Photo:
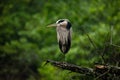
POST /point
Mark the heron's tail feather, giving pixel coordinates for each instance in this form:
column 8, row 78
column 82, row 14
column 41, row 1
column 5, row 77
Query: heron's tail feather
column 65, row 47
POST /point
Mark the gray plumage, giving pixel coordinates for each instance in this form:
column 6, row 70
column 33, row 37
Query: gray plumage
column 64, row 31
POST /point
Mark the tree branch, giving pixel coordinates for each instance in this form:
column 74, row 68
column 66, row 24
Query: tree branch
column 71, row 67
column 97, row 70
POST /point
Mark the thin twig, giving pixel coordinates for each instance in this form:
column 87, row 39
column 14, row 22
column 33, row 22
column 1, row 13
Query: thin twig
column 104, row 47
column 102, row 55
column 93, row 44
column 101, row 75
column 91, row 41
column 115, row 45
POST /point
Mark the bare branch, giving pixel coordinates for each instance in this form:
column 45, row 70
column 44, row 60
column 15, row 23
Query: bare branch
column 71, row 67
column 96, row 70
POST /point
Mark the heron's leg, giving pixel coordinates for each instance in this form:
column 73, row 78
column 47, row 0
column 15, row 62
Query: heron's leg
column 64, row 57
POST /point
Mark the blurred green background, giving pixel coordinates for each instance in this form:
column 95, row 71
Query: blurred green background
column 26, row 43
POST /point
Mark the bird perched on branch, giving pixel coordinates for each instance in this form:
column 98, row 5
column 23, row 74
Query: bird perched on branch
column 64, row 32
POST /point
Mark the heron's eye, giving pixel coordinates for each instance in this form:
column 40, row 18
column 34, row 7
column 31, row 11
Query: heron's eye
column 60, row 21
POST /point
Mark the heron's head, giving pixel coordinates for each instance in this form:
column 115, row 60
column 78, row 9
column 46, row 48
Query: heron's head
column 65, row 23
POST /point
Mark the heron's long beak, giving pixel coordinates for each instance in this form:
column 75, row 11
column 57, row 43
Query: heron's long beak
column 52, row 25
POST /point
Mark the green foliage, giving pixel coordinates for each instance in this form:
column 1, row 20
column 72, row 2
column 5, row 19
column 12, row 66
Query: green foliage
column 26, row 42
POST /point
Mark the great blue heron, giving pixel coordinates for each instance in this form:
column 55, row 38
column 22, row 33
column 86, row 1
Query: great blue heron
column 64, row 32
